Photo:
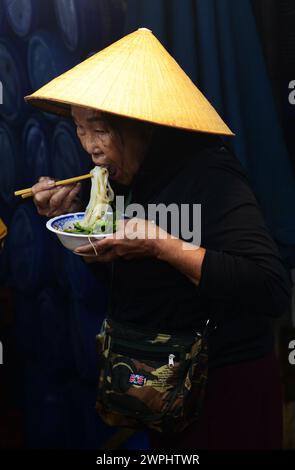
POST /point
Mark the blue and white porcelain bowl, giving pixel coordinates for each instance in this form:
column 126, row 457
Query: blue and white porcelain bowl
column 71, row 241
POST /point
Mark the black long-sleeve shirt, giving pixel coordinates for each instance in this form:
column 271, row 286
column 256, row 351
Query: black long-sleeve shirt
column 243, row 281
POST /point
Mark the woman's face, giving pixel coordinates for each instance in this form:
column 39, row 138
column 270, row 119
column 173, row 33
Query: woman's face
column 121, row 148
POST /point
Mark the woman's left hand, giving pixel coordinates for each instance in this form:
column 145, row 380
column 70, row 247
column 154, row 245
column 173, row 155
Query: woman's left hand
column 134, row 238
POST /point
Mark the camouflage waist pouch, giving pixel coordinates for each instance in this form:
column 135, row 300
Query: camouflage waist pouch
column 150, row 380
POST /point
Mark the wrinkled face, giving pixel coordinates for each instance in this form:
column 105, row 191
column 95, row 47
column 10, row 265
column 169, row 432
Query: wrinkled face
column 120, row 148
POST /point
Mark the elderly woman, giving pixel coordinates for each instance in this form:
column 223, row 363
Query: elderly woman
column 235, row 277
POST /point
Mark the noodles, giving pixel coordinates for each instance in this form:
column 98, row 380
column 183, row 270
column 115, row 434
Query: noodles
column 100, row 196
column 95, row 219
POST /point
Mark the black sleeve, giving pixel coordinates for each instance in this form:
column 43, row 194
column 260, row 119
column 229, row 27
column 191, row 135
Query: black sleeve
column 242, row 262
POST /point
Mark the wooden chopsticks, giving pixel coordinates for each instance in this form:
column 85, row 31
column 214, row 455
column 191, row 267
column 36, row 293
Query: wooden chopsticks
column 24, row 193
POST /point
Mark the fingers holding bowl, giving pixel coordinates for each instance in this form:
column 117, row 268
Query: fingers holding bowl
column 94, row 246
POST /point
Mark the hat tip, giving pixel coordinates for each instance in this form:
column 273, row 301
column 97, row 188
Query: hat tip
column 145, row 29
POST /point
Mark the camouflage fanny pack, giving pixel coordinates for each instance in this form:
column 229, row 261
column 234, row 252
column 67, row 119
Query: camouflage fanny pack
column 148, row 380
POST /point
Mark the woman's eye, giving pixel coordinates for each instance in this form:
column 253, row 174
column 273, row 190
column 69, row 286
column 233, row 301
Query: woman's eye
column 99, row 131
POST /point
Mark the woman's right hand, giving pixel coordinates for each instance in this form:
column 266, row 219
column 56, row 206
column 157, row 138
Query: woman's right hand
column 52, row 201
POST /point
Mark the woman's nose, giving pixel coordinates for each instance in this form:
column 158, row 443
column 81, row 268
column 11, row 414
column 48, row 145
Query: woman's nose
column 91, row 147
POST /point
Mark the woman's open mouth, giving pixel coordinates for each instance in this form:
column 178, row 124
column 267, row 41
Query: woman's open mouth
column 111, row 169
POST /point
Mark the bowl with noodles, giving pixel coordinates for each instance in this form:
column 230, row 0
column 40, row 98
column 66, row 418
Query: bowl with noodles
column 70, row 233
column 97, row 222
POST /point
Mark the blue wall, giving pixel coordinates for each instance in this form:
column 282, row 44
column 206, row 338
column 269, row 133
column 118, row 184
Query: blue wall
column 58, row 304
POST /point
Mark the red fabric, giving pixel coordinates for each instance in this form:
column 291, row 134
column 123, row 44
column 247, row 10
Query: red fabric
column 242, row 410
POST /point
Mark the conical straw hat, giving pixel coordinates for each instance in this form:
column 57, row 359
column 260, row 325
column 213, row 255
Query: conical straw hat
column 134, row 77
